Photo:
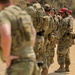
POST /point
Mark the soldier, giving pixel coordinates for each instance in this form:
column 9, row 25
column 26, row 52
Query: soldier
column 47, row 9
column 17, row 40
column 39, row 21
column 48, row 33
column 37, row 13
column 53, row 34
column 65, row 41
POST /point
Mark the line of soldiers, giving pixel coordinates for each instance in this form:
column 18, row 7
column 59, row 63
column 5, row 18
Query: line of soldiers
column 52, row 28
column 46, row 27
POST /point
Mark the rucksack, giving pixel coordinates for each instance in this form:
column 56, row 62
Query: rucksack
column 21, row 26
column 37, row 13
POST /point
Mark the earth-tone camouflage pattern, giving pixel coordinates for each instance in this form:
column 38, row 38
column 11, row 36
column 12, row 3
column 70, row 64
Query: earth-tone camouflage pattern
column 48, row 25
column 40, row 22
column 64, row 58
column 23, row 67
column 22, row 36
column 65, row 40
column 52, row 40
column 68, row 24
column 21, row 2
column 50, row 49
column 59, row 18
column 49, row 37
column 37, row 12
column 56, row 22
column 39, row 50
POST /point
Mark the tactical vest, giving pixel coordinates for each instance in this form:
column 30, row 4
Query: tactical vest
column 21, row 29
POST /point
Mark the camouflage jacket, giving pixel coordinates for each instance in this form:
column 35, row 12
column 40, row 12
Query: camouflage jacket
column 66, row 27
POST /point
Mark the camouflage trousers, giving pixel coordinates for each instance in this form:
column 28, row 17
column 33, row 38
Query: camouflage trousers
column 50, row 56
column 23, row 67
column 40, row 50
column 63, row 57
column 63, row 50
column 50, row 51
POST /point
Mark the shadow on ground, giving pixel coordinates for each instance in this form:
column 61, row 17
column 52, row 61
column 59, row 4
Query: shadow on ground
column 64, row 73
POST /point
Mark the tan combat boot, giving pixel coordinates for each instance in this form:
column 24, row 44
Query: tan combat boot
column 61, row 69
column 67, row 68
column 44, row 71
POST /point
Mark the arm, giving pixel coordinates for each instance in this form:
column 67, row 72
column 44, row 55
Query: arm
column 71, row 24
column 6, row 39
column 5, row 32
column 34, row 34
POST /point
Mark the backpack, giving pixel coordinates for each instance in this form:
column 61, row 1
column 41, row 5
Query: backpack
column 37, row 13
column 21, row 27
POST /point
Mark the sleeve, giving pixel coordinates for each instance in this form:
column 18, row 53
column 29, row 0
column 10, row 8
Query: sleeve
column 70, row 25
column 4, row 20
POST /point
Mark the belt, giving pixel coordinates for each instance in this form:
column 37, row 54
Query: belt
column 19, row 60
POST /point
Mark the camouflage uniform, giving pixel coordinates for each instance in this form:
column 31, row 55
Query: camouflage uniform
column 21, row 41
column 41, row 25
column 48, row 30
column 52, row 39
column 65, row 41
column 48, row 39
column 59, row 18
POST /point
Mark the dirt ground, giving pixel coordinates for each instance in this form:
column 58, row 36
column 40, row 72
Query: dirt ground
column 54, row 66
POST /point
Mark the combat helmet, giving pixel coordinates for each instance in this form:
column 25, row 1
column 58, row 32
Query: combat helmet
column 47, row 7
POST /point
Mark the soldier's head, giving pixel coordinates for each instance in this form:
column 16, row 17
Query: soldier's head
column 47, row 8
column 4, row 3
column 64, row 12
column 52, row 11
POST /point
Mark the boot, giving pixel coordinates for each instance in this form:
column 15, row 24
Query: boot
column 44, row 71
column 61, row 69
column 67, row 68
